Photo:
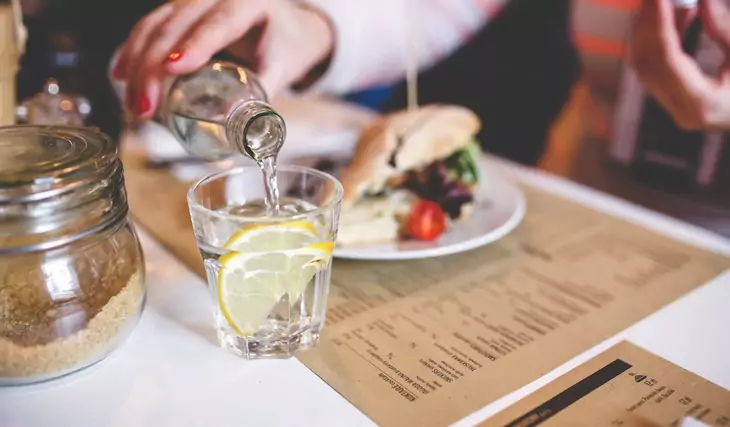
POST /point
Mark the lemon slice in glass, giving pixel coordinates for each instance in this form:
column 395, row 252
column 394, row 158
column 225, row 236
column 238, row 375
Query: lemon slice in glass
column 273, row 237
column 251, row 284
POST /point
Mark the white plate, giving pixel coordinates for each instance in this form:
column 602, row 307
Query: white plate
column 499, row 209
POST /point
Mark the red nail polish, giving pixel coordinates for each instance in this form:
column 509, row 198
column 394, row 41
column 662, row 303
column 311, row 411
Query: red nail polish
column 118, row 72
column 143, row 104
column 175, row 56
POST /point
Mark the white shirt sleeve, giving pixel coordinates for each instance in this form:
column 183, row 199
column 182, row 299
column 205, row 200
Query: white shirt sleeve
column 371, row 37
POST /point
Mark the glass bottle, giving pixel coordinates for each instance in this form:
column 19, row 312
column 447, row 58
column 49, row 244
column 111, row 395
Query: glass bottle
column 220, row 110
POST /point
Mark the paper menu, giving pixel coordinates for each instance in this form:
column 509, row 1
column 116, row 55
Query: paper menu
column 624, row 386
column 428, row 342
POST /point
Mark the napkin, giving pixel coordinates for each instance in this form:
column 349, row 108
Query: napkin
column 692, row 422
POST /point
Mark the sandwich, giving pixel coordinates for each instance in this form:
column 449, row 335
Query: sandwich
column 413, row 174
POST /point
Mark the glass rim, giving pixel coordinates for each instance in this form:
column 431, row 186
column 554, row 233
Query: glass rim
column 333, row 200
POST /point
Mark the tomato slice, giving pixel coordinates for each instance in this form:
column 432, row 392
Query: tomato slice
column 426, row 221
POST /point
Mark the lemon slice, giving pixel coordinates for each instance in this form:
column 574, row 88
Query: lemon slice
column 250, row 285
column 273, row 237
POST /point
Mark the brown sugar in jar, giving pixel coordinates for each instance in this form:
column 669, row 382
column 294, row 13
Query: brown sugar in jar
column 71, row 267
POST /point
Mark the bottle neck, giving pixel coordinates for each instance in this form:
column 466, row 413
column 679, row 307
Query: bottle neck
column 255, row 129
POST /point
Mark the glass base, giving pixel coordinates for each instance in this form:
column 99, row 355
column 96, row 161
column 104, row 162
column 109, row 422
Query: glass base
column 255, row 347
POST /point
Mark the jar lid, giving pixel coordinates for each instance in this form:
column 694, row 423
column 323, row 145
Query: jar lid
column 38, row 162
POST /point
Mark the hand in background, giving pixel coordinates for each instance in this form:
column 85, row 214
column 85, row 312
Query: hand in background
column 282, row 40
column 694, row 99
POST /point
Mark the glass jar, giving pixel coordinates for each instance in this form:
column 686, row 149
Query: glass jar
column 54, row 107
column 71, row 266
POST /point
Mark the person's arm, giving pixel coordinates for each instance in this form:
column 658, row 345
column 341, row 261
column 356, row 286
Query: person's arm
column 364, row 46
column 371, row 39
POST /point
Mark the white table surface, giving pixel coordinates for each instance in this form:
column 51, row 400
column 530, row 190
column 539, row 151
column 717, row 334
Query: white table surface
column 170, row 373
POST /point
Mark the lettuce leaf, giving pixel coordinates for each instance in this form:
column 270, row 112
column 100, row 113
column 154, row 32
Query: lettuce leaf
column 464, row 164
column 435, row 184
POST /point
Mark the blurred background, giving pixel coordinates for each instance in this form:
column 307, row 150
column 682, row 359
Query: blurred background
column 554, row 71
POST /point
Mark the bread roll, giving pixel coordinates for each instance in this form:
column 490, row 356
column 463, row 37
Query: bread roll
column 405, row 141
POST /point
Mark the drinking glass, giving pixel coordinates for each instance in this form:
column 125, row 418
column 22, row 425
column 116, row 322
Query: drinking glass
column 269, row 270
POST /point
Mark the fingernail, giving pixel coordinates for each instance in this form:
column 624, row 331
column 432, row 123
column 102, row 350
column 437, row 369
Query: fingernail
column 175, row 56
column 118, row 71
column 143, row 105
